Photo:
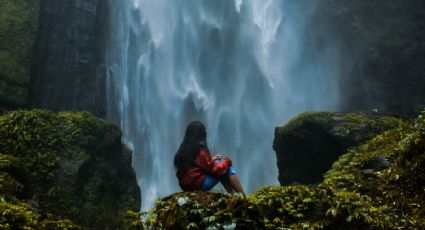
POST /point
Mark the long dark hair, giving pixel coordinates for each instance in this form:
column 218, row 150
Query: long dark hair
column 194, row 138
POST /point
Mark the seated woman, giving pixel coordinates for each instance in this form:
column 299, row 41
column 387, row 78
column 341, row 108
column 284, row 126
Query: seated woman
column 197, row 170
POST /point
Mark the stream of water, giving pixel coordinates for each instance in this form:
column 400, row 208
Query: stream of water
column 235, row 65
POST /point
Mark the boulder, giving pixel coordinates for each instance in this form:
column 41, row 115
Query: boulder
column 307, row 145
column 71, row 165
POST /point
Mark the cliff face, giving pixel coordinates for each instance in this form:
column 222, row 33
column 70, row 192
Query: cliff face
column 18, row 27
column 68, row 71
column 379, row 47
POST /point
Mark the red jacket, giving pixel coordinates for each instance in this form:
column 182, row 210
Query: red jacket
column 194, row 177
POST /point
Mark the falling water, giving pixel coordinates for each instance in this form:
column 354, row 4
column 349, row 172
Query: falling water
column 235, row 65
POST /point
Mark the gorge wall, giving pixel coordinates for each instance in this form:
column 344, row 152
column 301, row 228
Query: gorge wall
column 380, row 46
column 18, row 27
column 67, row 71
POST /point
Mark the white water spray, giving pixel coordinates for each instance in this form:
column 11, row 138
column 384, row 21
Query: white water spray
column 229, row 64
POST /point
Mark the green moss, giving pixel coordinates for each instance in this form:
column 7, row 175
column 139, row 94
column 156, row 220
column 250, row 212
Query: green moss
column 198, row 210
column 59, row 224
column 350, row 122
column 306, row 115
column 8, row 184
column 19, row 215
column 18, row 27
column 316, row 207
column 399, row 186
column 273, row 207
column 73, row 159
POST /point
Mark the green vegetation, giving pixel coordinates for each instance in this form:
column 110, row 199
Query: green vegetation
column 390, row 169
column 67, row 164
column 350, row 123
column 18, row 27
column 19, row 215
column 378, row 185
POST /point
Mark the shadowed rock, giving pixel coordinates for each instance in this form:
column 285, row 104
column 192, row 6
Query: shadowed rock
column 307, row 146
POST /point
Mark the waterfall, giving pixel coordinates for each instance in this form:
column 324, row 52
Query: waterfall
column 237, row 66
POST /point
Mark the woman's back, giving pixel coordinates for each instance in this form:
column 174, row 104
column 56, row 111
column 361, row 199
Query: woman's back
column 203, row 165
column 196, row 169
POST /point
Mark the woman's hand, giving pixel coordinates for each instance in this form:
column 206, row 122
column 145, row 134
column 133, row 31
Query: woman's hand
column 216, row 157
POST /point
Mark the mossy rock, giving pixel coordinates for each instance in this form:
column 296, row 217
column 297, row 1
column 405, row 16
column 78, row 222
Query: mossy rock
column 272, row 207
column 13, row 176
column 72, row 165
column 390, row 169
column 307, row 145
column 198, row 210
column 19, row 215
column 18, row 28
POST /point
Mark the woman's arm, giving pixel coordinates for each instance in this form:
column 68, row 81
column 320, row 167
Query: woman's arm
column 216, row 157
column 207, row 163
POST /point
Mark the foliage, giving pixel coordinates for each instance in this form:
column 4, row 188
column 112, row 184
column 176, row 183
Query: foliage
column 273, row 207
column 198, row 210
column 316, row 207
column 19, row 215
column 10, row 169
column 399, row 186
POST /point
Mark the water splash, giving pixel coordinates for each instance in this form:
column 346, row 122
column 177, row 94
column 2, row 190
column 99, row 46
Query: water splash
column 238, row 4
column 233, row 65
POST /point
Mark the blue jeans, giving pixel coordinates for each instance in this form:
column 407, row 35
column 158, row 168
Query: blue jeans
column 211, row 180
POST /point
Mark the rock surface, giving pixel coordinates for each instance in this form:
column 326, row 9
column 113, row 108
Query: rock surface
column 68, row 70
column 18, row 27
column 69, row 165
column 307, row 146
column 379, row 48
